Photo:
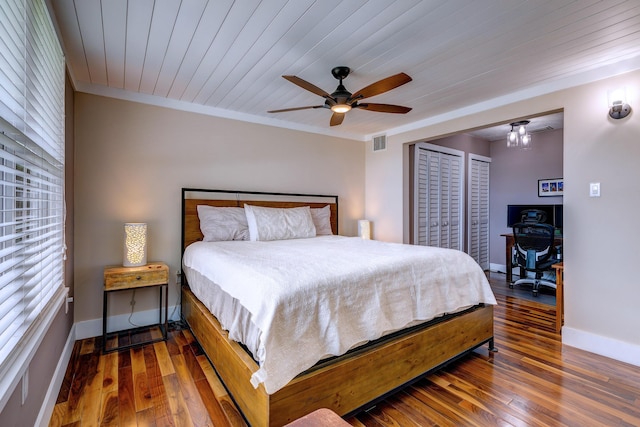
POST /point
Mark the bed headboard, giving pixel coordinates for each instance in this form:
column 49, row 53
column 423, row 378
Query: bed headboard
column 192, row 197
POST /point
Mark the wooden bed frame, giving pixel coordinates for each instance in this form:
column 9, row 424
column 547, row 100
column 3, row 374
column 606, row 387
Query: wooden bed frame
column 347, row 383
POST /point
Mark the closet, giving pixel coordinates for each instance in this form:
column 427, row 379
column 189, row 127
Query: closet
column 438, row 196
column 478, row 210
column 439, row 193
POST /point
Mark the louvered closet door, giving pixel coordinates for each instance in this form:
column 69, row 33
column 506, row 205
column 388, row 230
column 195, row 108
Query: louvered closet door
column 433, row 200
column 478, row 218
column 437, row 198
column 426, row 182
column 451, row 171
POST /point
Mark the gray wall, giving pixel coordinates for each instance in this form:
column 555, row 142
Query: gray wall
column 41, row 372
column 465, row 142
column 514, row 180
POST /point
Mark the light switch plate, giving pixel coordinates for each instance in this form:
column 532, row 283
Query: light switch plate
column 594, row 189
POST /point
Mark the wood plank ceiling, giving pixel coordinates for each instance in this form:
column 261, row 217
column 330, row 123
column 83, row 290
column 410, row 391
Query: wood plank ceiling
column 226, row 58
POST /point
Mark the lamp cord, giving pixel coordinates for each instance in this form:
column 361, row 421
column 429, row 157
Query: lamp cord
column 133, row 303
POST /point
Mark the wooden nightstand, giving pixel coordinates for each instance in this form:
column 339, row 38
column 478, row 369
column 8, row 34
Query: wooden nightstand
column 130, row 278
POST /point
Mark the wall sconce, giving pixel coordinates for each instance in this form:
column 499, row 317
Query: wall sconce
column 364, row 229
column 618, row 103
column 135, row 244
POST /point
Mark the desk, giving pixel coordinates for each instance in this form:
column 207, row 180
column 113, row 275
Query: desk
column 557, row 241
column 559, row 295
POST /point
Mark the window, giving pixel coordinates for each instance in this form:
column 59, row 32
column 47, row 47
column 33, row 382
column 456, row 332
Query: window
column 31, row 182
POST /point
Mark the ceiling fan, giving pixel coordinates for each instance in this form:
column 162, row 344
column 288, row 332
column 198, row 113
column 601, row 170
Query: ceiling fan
column 342, row 100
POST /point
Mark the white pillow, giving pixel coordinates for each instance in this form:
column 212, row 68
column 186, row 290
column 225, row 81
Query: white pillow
column 221, row 224
column 322, row 220
column 279, row 223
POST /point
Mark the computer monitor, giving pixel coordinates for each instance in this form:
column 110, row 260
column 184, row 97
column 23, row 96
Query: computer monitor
column 515, row 213
column 557, row 216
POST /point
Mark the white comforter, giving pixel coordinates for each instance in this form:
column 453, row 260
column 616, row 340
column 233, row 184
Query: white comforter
column 312, row 298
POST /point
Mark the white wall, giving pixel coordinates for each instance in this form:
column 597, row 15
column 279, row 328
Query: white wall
column 132, row 161
column 601, row 271
column 602, row 291
column 384, row 196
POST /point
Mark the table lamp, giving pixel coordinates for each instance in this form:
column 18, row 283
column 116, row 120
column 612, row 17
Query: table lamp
column 135, row 244
column 364, row 229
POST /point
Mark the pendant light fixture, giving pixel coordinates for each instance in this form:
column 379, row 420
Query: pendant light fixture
column 518, row 137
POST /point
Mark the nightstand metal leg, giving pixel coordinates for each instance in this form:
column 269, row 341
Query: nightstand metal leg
column 164, row 325
column 104, row 321
column 166, row 310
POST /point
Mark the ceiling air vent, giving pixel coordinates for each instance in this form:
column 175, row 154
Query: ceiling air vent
column 543, row 129
column 379, row 142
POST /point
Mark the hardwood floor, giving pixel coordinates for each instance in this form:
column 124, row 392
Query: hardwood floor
column 532, row 381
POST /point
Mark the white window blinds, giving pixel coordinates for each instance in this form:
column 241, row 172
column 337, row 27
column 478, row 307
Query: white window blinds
column 31, row 173
column 32, row 74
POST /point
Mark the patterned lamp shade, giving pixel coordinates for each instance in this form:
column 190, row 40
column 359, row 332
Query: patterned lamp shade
column 135, row 244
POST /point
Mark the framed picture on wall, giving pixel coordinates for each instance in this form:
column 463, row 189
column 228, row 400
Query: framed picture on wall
column 550, row 187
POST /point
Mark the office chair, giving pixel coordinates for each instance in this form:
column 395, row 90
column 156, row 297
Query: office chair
column 534, row 251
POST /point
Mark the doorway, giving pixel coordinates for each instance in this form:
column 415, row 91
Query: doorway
column 513, row 177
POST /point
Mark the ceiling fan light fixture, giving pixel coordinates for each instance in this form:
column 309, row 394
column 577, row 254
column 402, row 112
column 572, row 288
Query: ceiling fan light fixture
column 340, row 108
column 342, row 101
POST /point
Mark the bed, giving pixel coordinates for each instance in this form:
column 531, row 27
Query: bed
column 345, row 377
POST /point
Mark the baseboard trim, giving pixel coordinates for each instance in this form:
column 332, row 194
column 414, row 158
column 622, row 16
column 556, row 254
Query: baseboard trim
column 501, row 268
column 93, row 328
column 497, row 268
column 49, row 403
column 604, row 346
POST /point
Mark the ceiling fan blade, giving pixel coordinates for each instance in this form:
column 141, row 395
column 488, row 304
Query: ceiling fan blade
column 382, row 86
column 308, row 86
column 336, row 119
column 385, row 108
column 295, row 108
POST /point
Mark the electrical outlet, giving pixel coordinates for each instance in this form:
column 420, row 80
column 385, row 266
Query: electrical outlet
column 68, row 300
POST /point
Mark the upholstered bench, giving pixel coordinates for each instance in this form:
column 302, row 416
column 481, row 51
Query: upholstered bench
column 320, row 418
